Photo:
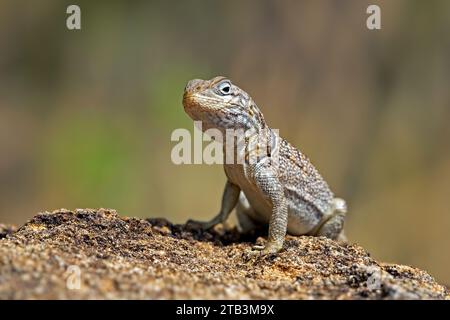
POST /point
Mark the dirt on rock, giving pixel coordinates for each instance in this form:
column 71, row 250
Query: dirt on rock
column 96, row 254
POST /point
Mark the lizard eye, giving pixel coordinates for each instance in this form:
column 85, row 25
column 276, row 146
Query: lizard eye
column 224, row 87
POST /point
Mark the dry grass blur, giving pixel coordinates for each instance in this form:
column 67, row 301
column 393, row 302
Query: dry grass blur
column 86, row 116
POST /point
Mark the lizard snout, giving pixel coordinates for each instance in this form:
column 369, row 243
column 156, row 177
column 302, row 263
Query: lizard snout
column 193, row 85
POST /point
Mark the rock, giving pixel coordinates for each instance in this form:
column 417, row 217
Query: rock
column 6, row 230
column 96, row 254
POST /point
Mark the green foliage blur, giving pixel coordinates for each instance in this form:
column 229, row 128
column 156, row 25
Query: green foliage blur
column 86, row 116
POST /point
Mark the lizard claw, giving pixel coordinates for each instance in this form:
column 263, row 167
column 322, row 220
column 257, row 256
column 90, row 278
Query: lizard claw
column 258, row 247
column 270, row 248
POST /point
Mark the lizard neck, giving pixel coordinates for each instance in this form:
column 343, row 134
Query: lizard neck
column 256, row 121
column 250, row 146
column 253, row 137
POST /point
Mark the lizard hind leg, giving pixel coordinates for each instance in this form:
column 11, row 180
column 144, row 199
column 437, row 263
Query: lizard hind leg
column 333, row 227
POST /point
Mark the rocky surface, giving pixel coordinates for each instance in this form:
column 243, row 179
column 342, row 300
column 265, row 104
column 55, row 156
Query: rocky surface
column 6, row 230
column 96, row 254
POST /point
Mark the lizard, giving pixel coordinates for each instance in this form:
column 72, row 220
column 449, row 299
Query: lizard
column 280, row 187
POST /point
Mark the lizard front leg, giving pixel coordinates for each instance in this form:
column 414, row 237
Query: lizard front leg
column 267, row 181
column 229, row 199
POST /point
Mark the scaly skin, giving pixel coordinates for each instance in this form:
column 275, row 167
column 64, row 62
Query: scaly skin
column 280, row 187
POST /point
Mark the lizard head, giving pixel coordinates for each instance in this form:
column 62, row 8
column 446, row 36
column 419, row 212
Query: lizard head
column 220, row 104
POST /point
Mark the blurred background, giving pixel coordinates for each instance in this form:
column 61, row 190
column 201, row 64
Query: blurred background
column 86, row 116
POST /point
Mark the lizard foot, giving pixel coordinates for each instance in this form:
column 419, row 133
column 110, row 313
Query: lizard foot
column 268, row 249
column 203, row 225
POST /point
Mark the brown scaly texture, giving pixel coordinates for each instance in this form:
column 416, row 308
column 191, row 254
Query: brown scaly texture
column 154, row 259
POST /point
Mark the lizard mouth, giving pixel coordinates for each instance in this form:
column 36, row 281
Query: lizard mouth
column 195, row 101
column 188, row 100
